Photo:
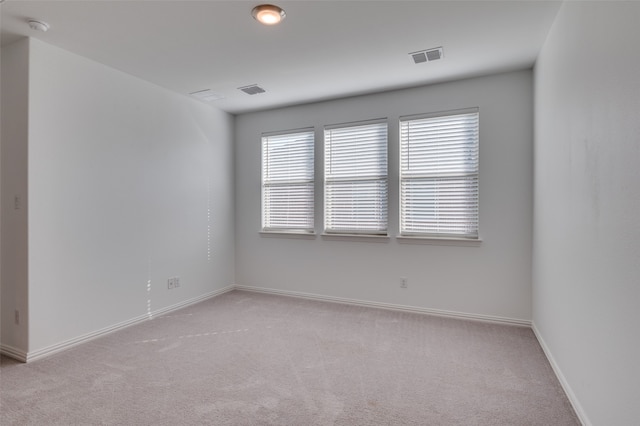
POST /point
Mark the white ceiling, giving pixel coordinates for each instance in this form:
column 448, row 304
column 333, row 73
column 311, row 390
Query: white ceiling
column 322, row 50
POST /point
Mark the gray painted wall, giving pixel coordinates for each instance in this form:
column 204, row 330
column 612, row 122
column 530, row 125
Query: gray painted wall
column 129, row 184
column 493, row 279
column 586, row 268
column 14, row 291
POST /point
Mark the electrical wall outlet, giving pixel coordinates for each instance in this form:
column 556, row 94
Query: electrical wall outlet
column 17, row 317
column 173, row 282
column 404, row 282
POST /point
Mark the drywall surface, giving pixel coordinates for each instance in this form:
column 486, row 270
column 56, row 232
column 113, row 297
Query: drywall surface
column 493, row 279
column 129, row 185
column 586, row 265
column 14, row 291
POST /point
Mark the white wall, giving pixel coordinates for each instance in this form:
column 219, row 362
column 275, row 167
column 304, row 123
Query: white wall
column 586, row 268
column 128, row 183
column 13, row 291
column 493, row 279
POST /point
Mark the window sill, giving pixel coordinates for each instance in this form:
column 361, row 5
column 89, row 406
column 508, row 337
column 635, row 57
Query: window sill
column 356, row 237
column 294, row 235
column 444, row 241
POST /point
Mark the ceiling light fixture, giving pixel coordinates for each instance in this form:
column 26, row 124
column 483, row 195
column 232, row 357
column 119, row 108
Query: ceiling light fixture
column 268, row 14
column 38, row 25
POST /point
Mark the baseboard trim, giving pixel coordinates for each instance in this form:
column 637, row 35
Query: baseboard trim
column 193, row 301
column 11, row 352
column 389, row 306
column 577, row 407
column 50, row 350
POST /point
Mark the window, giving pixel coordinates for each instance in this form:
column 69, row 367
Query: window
column 287, row 182
column 439, row 175
column 355, row 167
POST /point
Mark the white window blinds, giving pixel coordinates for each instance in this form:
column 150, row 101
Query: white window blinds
column 355, row 196
column 439, row 175
column 287, row 182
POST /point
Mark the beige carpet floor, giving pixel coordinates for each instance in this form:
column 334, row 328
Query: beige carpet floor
column 254, row 359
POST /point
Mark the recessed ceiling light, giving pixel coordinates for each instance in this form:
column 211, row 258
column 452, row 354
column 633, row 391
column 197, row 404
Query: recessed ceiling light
column 268, row 14
column 38, row 25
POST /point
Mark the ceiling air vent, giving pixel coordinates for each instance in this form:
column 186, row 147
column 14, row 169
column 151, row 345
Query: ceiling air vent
column 419, row 57
column 207, row 95
column 252, row 89
column 427, row 55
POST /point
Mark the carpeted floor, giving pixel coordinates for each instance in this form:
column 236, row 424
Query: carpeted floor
column 254, row 359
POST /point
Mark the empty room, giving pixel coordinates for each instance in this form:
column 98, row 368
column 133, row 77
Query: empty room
column 320, row 213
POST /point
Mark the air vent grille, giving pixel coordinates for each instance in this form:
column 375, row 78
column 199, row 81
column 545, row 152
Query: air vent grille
column 207, row 95
column 427, row 55
column 252, row 89
column 419, row 57
column 434, row 54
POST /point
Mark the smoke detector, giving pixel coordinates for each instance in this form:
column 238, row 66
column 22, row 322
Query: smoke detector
column 427, row 55
column 38, row 25
column 252, row 89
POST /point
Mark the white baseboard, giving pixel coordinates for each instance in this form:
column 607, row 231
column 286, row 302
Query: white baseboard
column 577, row 407
column 11, row 352
column 390, row 306
column 50, row 350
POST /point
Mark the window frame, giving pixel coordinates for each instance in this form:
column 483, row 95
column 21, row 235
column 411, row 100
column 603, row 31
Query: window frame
column 329, row 179
column 289, row 230
column 406, row 235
